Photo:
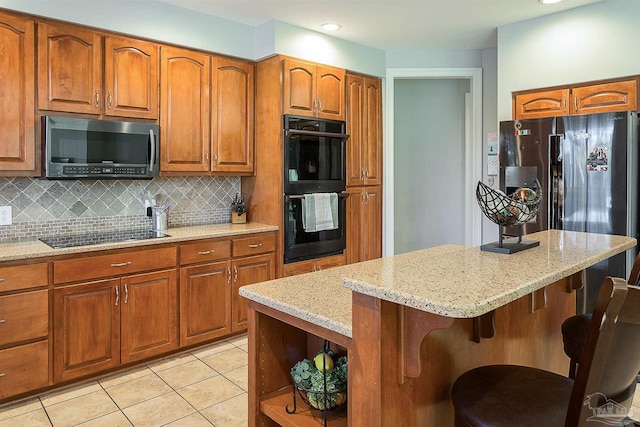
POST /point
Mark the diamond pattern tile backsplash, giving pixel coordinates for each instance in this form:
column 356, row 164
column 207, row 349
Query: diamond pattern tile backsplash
column 42, row 207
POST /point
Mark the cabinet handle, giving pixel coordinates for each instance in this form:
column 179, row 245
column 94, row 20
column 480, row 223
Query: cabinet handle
column 624, row 99
column 1, row 279
column 126, row 293
column 97, row 99
column 315, row 106
column 3, row 321
column 206, row 252
column 117, row 295
column 366, row 172
column 109, row 100
column 314, row 268
column 229, row 274
column 215, row 159
column 564, row 103
column 575, row 102
column 121, row 264
column 319, row 105
column 207, row 156
column 235, row 273
column 256, row 245
column 2, row 374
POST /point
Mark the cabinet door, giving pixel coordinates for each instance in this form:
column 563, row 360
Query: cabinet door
column 149, row 315
column 245, row 272
column 372, row 132
column 330, row 262
column 69, row 69
column 355, row 110
column 300, row 267
column 205, row 302
column 299, row 88
column 184, row 111
column 373, row 231
column 233, row 116
column 330, row 92
column 602, row 98
column 86, row 328
column 548, row 103
column 356, row 223
column 131, row 78
column 17, row 86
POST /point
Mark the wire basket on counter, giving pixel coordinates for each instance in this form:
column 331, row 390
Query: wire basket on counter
column 509, row 210
column 519, row 207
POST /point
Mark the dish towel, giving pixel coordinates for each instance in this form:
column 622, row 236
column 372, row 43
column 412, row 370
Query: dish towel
column 320, row 212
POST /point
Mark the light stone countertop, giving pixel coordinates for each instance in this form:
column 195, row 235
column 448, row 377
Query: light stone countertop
column 38, row 249
column 450, row 280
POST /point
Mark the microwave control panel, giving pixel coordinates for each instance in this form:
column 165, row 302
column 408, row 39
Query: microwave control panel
column 103, row 170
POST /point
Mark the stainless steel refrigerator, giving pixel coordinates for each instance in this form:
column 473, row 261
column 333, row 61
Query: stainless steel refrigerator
column 587, row 166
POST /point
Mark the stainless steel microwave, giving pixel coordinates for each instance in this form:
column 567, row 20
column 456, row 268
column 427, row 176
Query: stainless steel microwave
column 98, row 149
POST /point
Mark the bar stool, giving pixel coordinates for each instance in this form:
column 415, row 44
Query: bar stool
column 575, row 328
column 507, row 395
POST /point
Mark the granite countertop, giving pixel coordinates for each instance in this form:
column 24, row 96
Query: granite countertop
column 450, row 280
column 38, row 249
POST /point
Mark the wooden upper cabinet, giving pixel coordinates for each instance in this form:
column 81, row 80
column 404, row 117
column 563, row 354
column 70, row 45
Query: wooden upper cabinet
column 541, row 104
column 584, row 98
column 608, row 97
column 313, row 90
column 131, row 78
column 233, row 109
column 69, row 69
column 185, row 104
column 330, row 92
column 364, row 126
column 17, row 86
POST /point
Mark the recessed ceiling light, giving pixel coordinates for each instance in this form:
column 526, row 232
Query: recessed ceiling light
column 549, row 1
column 330, row 26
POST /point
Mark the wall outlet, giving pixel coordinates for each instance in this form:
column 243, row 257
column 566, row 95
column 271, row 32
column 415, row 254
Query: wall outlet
column 5, row 215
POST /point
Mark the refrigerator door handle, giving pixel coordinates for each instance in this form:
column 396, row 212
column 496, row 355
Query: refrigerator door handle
column 556, row 181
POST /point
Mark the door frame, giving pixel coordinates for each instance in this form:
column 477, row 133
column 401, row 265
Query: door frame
column 472, row 150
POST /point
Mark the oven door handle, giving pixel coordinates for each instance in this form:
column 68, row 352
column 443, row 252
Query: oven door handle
column 301, row 196
column 316, row 133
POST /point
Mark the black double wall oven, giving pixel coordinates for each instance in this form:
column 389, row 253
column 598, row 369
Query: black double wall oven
column 314, row 162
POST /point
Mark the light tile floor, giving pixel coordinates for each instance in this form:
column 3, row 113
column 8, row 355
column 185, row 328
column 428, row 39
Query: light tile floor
column 204, row 387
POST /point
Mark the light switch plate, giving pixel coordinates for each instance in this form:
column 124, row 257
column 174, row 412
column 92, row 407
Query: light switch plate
column 5, row 215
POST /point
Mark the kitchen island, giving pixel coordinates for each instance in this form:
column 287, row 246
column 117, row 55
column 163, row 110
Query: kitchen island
column 412, row 323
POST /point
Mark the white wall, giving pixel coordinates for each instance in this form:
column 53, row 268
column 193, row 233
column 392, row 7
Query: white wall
column 429, row 163
column 171, row 24
column 597, row 41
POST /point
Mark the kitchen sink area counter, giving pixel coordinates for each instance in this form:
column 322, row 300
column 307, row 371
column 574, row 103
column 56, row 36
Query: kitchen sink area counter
column 412, row 323
column 37, row 249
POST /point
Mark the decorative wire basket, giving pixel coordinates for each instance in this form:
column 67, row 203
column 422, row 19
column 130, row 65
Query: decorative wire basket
column 323, row 401
column 519, row 207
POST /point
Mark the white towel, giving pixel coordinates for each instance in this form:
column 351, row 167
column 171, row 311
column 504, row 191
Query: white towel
column 320, row 212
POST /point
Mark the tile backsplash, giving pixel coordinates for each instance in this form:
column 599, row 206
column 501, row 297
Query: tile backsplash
column 43, row 207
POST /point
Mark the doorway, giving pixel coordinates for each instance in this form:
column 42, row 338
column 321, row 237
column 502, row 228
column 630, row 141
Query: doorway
column 432, row 158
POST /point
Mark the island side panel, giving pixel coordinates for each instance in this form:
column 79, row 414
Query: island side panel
column 380, row 395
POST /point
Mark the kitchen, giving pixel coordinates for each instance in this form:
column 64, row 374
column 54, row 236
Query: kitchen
column 504, row 65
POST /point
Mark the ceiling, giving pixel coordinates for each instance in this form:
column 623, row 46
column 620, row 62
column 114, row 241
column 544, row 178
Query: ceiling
column 389, row 24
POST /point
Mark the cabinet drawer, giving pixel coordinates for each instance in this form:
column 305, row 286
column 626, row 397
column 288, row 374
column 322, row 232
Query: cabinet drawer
column 113, row 265
column 254, row 245
column 23, row 277
column 24, row 368
column 24, row 316
column 204, row 252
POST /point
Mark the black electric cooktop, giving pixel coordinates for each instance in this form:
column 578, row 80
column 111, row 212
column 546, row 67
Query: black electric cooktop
column 61, row 241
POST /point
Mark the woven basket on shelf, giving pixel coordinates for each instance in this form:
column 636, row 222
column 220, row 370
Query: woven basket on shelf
column 508, row 210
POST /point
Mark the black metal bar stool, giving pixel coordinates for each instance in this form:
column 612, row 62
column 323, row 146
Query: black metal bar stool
column 507, row 395
column 575, row 328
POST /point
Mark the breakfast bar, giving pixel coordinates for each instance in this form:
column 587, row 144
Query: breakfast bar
column 410, row 324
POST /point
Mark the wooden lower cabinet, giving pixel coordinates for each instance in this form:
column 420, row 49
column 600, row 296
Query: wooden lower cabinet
column 364, row 223
column 205, row 302
column 245, row 272
column 311, row 265
column 86, row 329
column 99, row 325
column 24, row 368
